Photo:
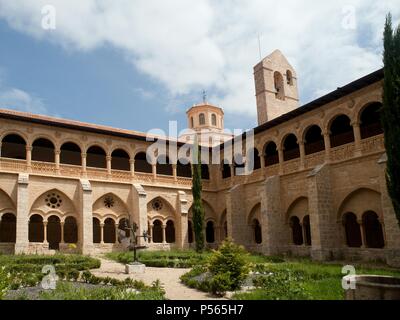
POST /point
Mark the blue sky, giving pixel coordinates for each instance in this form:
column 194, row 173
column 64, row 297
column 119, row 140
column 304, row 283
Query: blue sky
column 137, row 65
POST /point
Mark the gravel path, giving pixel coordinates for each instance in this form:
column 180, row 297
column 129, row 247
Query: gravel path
column 169, row 277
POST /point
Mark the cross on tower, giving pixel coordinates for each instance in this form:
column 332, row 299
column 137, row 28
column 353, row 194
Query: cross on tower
column 204, row 96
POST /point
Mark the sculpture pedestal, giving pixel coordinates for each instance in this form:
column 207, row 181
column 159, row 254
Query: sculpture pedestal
column 135, row 267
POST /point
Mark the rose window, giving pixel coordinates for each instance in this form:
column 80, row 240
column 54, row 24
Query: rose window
column 53, row 200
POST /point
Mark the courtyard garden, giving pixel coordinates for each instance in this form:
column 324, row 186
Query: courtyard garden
column 21, row 278
column 229, row 272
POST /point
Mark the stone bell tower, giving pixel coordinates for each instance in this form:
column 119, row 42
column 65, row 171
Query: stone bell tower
column 276, row 87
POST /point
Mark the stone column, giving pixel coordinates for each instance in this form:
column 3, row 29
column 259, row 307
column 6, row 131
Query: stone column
column 108, row 159
column 363, row 238
column 62, row 232
column 275, row 234
column 83, row 160
column 29, row 158
column 57, row 153
column 181, row 227
column 86, row 217
column 262, row 162
column 357, row 138
column 174, row 174
column 327, row 143
column 154, row 170
column 45, row 232
column 101, row 233
column 116, row 233
column 302, row 154
column 236, row 214
column 164, row 238
column 320, row 206
column 281, row 159
column 139, row 209
column 151, row 233
column 132, row 163
column 22, row 227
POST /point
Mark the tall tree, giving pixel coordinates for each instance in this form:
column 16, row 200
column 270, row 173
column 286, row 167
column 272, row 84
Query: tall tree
column 390, row 114
column 197, row 209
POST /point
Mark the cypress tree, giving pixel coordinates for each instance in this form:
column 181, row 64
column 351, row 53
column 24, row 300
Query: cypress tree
column 197, row 209
column 390, row 115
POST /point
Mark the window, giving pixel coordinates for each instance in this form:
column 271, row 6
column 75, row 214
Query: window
column 279, row 87
column 214, row 120
column 289, row 77
column 202, row 119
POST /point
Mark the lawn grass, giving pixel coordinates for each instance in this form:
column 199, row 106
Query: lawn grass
column 306, row 280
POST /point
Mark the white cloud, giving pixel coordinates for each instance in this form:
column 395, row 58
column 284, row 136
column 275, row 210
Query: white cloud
column 13, row 98
column 188, row 45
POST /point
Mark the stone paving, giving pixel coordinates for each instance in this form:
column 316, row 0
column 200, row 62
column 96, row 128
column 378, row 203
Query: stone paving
column 169, row 277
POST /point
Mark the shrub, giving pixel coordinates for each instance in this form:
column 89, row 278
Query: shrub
column 4, row 282
column 228, row 266
column 220, row 283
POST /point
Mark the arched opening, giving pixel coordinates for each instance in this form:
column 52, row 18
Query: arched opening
column 253, row 158
column 157, row 231
column 289, row 77
column 70, row 154
column 164, row 166
column 257, row 231
column 314, row 140
column 271, row 156
column 54, row 232
column 96, row 231
column 70, row 230
column 238, row 165
column 120, row 160
column 202, row 119
column 43, row 150
column 341, row 131
column 8, row 226
column 96, row 157
column 214, row 120
column 226, row 169
column 141, row 164
column 370, row 121
column 184, row 168
column 170, row 232
column 297, row 231
column 307, row 230
column 13, row 146
column 190, row 231
column 109, row 231
column 352, row 230
column 210, row 234
column 373, row 230
column 191, row 122
column 291, row 148
column 279, row 86
column 205, row 173
column 36, row 229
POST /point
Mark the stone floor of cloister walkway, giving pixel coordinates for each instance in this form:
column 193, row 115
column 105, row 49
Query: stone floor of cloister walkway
column 169, row 277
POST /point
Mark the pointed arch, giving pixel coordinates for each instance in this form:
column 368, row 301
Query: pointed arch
column 110, row 205
column 53, row 202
